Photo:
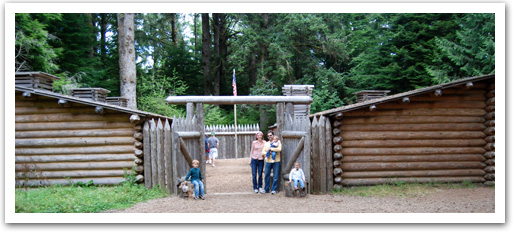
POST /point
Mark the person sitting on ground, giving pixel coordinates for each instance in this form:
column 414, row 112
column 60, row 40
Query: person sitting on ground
column 274, row 144
column 196, row 178
column 297, row 175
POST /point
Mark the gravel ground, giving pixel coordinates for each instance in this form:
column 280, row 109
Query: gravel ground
column 230, row 191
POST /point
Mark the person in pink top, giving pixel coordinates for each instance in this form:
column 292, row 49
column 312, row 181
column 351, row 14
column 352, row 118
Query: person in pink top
column 256, row 161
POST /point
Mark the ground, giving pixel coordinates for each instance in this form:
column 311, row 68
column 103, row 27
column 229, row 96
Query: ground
column 229, row 189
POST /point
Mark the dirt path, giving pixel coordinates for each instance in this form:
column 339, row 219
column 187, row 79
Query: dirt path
column 230, row 191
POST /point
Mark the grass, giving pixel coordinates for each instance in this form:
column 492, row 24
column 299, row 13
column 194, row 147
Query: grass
column 401, row 189
column 82, row 198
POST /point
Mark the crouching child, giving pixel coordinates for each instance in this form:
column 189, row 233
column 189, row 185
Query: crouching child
column 196, row 179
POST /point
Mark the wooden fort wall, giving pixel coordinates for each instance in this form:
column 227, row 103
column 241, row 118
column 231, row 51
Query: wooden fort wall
column 446, row 138
column 57, row 144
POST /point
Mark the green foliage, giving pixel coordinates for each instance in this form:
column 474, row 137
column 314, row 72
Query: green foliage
column 152, row 92
column 82, row 198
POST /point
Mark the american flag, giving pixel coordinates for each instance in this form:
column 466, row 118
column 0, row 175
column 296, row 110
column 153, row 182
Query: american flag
column 234, row 84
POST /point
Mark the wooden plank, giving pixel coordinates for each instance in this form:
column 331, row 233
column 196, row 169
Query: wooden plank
column 75, row 166
column 411, row 119
column 416, row 173
column 96, row 181
column 307, row 167
column 315, row 186
column 415, row 158
column 328, row 156
column 415, row 127
column 71, row 125
column 418, row 112
column 160, row 154
column 154, row 154
column 71, row 174
column 293, row 158
column 168, row 157
column 373, row 181
column 413, row 143
column 184, row 150
column 69, row 117
column 322, row 154
column 230, row 100
column 147, row 155
column 174, row 151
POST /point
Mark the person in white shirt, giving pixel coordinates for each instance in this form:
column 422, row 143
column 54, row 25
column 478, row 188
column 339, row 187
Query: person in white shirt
column 297, row 176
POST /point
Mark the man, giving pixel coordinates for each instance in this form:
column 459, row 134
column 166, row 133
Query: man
column 275, row 164
column 213, row 144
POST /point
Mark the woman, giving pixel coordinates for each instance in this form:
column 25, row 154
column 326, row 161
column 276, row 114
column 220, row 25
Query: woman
column 256, row 162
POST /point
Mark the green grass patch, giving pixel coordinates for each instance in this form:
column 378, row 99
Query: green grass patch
column 82, row 198
column 401, row 189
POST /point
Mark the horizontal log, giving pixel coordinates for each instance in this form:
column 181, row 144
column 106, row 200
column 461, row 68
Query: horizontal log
column 70, row 174
column 490, row 123
column 336, row 163
column 138, row 136
column 490, row 101
column 293, row 134
column 490, row 131
column 416, row 173
column 74, row 158
column 390, row 166
column 96, row 181
column 337, row 156
column 490, row 169
column 452, row 98
column 71, row 125
column 490, row 162
column 490, row 154
column 337, row 180
column 69, row 117
column 411, row 119
column 491, row 86
column 415, row 127
column 415, row 158
column 138, row 145
column 75, row 133
column 138, row 161
column 412, row 151
column 26, row 110
column 337, row 148
column 74, row 166
column 412, row 135
column 416, row 112
column 490, row 139
column 60, row 142
column 374, row 181
column 463, row 91
column 138, row 153
column 77, row 150
column 339, row 116
column 337, row 140
column 336, row 131
column 490, row 94
column 231, row 100
column 414, row 143
column 138, row 128
column 440, row 104
column 336, row 124
column 490, row 116
column 490, row 108
column 490, row 147
column 337, row 186
column 337, row 171
column 489, row 176
column 189, row 134
column 138, row 169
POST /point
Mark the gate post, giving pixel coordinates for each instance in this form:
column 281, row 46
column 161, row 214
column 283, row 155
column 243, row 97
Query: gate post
column 280, row 120
column 202, row 150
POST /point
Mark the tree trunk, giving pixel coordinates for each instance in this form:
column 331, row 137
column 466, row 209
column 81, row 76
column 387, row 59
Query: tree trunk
column 206, row 54
column 195, row 32
column 103, row 29
column 127, row 59
column 173, row 28
column 263, row 116
column 217, row 55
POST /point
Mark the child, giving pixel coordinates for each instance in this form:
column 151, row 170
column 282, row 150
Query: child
column 274, row 144
column 297, row 176
column 195, row 174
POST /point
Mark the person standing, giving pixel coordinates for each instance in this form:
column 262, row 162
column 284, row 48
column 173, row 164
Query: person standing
column 256, row 161
column 275, row 164
column 207, row 149
column 213, row 145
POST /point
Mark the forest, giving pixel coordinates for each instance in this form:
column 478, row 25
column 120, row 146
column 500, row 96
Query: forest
column 195, row 54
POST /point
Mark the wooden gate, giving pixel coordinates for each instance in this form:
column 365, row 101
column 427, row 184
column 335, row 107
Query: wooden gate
column 169, row 149
column 294, row 132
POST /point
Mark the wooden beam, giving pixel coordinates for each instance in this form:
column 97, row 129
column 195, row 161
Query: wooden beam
column 184, row 150
column 230, row 100
column 293, row 134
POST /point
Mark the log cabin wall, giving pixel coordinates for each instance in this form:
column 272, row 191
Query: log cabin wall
column 57, row 144
column 438, row 136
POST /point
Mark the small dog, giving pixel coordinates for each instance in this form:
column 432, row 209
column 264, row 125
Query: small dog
column 187, row 189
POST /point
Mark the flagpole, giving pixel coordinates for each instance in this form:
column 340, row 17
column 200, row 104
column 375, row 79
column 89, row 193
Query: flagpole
column 235, row 111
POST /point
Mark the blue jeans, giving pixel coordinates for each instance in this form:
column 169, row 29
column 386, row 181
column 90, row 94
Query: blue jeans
column 198, row 186
column 298, row 182
column 257, row 170
column 276, row 167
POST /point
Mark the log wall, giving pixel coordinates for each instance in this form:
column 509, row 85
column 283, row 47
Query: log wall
column 58, row 144
column 421, row 139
